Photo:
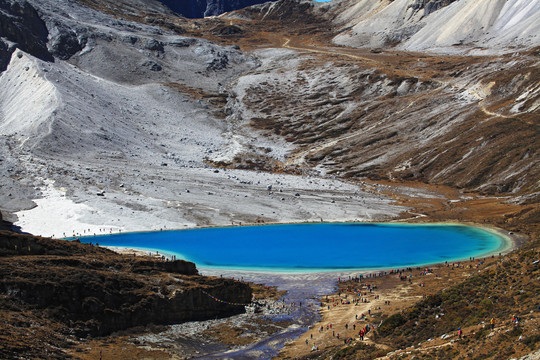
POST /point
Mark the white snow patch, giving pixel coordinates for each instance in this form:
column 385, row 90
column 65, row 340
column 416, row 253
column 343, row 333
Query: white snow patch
column 57, row 216
column 465, row 26
column 27, row 98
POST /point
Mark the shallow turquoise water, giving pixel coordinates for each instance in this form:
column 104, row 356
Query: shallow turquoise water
column 315, row 247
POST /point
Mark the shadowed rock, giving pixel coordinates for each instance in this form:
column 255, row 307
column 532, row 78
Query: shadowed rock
column 64, row 43
column 203, row 8
column 21, row 24
column 93, row 291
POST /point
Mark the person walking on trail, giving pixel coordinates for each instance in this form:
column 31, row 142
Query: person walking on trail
column 492, row 322
column 515, row 320
column 460, row 333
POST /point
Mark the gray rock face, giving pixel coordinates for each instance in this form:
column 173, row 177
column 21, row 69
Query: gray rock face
column 434, row 5
column 21, row 25
column 202, row 8
column 429, row 6
column 64, row 43
column 5, row 54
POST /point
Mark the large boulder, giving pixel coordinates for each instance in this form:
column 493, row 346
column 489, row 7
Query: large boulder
column 64, row 42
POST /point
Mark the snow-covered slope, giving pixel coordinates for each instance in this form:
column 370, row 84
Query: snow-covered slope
column 494, row 25
column 27, row 98
column 488, row 24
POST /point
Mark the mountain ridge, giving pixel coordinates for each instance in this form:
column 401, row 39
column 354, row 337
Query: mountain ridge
column 204, row 8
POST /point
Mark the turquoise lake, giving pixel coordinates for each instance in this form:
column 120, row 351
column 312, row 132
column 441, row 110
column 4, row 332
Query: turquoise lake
column 315, row 247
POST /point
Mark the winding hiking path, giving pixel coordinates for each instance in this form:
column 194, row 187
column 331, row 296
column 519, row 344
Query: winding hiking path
column 300, row 156
column 333, row 53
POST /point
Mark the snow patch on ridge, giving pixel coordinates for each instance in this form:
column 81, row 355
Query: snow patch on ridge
column 27, row 98
column 486, row 24
column 465, row 26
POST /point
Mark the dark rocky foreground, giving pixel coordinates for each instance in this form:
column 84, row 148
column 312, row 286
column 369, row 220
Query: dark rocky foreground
column 53, row 292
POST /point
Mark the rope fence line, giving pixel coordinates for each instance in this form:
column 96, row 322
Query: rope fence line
column 223, row 301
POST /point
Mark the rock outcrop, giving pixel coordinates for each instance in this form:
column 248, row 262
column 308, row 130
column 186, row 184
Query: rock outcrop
column 203, row 8
column 21, row 27
column 65, row 43
column 6, row 50
column 89, row 290
column 429, row 6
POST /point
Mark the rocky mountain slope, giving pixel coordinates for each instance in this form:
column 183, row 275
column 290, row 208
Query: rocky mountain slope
column 131, row 90
column 143, row 92
column 21, row 26
column 361, row 106
column 479, row 27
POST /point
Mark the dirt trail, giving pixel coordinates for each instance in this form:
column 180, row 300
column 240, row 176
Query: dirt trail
column 342, row 317
column 384, row 65
column 494, row 114
column 390, row 294
column 333, row 52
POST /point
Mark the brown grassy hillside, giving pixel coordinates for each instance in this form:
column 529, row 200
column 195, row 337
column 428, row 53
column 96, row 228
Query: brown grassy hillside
column 53, row 292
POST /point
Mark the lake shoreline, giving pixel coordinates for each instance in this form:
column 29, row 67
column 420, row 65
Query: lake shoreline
column 311, row 286
column 506, row 243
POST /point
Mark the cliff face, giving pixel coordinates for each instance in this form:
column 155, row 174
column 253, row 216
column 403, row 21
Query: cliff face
column 21, row 26
column 203, row 8
column 86, row 290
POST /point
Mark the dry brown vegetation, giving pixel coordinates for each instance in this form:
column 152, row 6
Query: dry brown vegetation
column 424, row 134
column 423, row 321
column 55, row 292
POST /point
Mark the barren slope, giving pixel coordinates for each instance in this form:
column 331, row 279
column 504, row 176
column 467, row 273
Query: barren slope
column 135, row 112
column 449, row 26
column 466, row 121
column 385, row 116
column 133, row 96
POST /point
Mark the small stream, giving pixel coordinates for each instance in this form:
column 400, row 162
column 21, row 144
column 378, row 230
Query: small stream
column 299, row 307
column 302, row 291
